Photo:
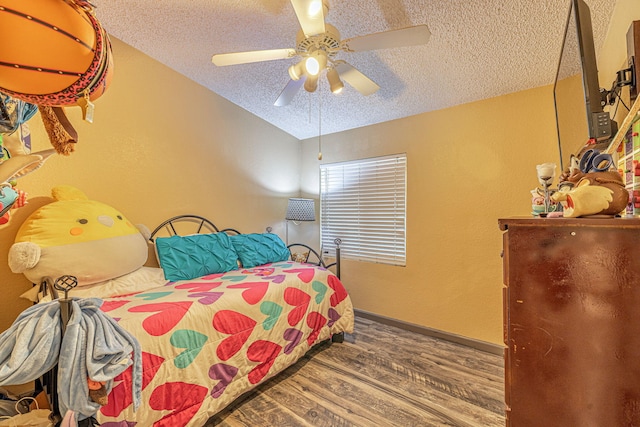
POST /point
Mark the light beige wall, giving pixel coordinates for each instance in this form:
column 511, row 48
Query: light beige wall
column 467, row 167
column 162, row 145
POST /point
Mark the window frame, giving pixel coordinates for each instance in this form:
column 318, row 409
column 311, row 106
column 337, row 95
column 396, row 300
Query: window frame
column 366, row 209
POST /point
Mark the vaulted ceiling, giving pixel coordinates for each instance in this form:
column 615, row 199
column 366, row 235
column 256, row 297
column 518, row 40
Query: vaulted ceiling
column 478, row 49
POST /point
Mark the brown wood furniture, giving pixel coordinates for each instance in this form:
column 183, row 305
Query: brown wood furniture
column 572, row 321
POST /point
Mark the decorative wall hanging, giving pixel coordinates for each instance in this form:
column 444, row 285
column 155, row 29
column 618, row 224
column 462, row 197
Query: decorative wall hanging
column 57, row 55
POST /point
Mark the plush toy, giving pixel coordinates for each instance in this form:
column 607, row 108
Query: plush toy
column 594, row 193
column 79, row 237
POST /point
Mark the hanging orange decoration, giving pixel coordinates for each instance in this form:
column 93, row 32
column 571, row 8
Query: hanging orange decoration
column 54, row 52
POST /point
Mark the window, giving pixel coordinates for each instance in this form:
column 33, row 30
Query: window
column 363, row 203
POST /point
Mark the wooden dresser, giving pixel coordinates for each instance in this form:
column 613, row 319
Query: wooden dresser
column 572, row 322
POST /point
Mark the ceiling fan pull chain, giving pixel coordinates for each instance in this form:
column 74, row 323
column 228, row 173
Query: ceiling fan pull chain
column 320, row 122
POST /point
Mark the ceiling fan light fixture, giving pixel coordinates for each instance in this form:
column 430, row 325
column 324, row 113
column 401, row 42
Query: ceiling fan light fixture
column 296, row 71
column 316, row 62
column 311, row 83
column 335, row 84
column 312, row 66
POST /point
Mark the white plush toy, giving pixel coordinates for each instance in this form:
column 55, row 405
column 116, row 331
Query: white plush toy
column 79, row 237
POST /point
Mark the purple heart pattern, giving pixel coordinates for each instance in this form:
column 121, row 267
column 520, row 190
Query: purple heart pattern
column 293, row 336
column 206, row 298
column 222, row 373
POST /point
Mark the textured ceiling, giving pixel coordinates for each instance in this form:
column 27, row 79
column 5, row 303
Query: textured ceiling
column 478, row 49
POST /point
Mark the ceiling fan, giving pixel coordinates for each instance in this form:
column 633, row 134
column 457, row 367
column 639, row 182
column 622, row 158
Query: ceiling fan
column 317, row 44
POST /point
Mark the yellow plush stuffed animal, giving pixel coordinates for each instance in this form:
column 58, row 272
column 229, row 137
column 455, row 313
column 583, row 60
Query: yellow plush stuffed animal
column 79, row 237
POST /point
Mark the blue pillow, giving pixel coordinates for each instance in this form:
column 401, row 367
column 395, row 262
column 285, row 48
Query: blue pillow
column 258, row 249
column 188, row 257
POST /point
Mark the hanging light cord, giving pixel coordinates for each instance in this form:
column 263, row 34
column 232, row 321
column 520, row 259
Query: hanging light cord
column 320, row 121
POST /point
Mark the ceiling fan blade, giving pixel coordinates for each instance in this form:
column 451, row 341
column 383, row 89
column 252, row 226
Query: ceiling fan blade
column 410, row 36
column 289, row 92
column 355, row 78
column 222, row 59
column 310, row 14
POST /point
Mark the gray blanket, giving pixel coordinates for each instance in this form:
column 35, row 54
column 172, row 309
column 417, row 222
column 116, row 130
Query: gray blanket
column 93, row 346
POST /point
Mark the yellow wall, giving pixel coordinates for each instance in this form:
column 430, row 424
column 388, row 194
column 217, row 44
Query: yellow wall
column 612, row 57
column 162, row 145
column 467, row 166
column 613, row 53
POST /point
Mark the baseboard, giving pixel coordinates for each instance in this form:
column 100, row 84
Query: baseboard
column 458, row 339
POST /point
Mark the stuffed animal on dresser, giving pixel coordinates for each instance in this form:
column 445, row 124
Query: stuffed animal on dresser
column 594, row 193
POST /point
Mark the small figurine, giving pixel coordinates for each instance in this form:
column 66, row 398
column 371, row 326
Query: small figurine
column 590, row 188
column 541, row 202
column 538, row 206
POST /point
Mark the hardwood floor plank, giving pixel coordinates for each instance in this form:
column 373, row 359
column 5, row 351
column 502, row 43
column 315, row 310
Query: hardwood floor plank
column 425, row 375
column 335, row 397
column 380, row 376
column 427, row 397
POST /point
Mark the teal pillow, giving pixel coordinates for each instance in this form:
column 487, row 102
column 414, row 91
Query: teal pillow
column 258, row 249
column 188, row 257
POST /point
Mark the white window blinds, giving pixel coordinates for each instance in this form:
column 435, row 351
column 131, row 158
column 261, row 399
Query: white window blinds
column 363, row 203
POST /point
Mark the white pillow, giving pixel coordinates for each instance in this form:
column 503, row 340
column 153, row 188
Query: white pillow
column 140, row 280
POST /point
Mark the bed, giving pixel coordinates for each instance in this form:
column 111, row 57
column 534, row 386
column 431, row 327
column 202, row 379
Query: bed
column 208, row 339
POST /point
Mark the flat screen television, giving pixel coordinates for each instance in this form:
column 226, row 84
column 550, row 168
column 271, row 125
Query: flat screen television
column 580, row 117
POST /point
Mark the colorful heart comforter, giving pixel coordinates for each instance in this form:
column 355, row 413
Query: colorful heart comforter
column 206, row 341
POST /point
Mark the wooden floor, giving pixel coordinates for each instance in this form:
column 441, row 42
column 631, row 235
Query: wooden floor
column 379, row 376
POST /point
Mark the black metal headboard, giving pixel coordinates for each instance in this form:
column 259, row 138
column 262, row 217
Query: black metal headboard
column 189, row 224
column 194, row 224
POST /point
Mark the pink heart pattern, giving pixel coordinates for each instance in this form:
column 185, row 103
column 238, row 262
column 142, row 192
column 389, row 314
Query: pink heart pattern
column 198, row 286
column 120, row 397
column 182, row 400
column 304, row 274
column 168, row 315
column 264, row 352
column 315, row 321
column 112, row 305
column 255, row 291
column 259, row 271
column 212, row 276
column 235, row 324
column 339, row 292
column 300, row 301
